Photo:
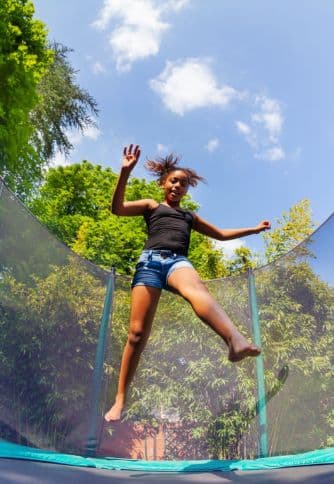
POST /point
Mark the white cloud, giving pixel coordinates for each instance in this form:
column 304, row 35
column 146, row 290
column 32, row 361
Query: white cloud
column 162, row 148
column 264, row 130
column 269, row 116
column 138, row 27
column 229, row 246
column 184, row 86
column 76, row 137
column 247, row 132
column 243, row 128
column 98, row 68
column 91, row 132
column 273, row 154
column 59, row 159
column 175, row 5
column 212, row 144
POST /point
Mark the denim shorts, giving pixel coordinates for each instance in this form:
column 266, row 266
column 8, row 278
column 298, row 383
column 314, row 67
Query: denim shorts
column 155, row 266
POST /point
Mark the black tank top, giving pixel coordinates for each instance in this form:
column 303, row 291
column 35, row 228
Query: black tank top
column 169, row 228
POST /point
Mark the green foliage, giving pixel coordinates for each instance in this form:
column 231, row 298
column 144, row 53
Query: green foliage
column 49, row 330
column 39, row 97
column 71, row 196
column 62, row 105
column 24, row 59
column 208, row 261
column 296, row 311
column 293, row 228
column 242, row 261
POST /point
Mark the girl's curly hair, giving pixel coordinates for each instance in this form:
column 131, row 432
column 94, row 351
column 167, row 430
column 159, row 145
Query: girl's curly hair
column 161, row 167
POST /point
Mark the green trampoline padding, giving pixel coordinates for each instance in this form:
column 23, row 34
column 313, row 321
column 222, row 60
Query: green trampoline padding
column 316, row 457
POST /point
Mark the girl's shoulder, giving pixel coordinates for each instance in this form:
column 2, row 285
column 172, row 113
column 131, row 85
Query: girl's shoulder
column 152, row 204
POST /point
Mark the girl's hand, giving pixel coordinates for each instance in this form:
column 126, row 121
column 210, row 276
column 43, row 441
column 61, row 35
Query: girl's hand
column 130, row 158
column 264, row 225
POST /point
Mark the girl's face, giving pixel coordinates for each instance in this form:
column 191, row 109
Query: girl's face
column 175, row 186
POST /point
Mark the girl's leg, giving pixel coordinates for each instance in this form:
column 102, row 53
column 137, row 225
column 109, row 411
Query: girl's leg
column 188, row 284
column 144, row 301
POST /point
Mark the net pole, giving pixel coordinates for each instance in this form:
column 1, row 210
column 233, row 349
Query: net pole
column 98, row 367
column 261, row 394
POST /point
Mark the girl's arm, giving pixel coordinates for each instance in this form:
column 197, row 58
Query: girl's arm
column 204, row 227
column 118, row 205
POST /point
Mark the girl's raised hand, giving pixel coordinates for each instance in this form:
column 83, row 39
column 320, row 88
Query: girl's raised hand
column 130, row 157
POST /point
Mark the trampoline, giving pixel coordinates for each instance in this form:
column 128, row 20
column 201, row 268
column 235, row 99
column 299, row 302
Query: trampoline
column 192, row 416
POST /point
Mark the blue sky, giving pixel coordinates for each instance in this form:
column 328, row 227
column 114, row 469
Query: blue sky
column 243, row 90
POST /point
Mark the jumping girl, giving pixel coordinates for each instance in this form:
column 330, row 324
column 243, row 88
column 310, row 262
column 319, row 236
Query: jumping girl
column 163, row 264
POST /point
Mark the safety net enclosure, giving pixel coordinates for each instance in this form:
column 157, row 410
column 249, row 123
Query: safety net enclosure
column 60, row 358
column 51, row 302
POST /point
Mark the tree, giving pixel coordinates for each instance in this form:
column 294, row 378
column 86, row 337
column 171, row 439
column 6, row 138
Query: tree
column 40, row 100
column 292, row 229
column 24, row 59
column 296, row 312
column 72, row 195
column 242, row 260
column 49, row 327
column 62, row 105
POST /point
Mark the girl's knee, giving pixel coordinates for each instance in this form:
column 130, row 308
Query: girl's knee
column 136, row 334
column 135, row 337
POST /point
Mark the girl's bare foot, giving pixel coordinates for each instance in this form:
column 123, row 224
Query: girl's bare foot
column 240, row 348
column 115, row 412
